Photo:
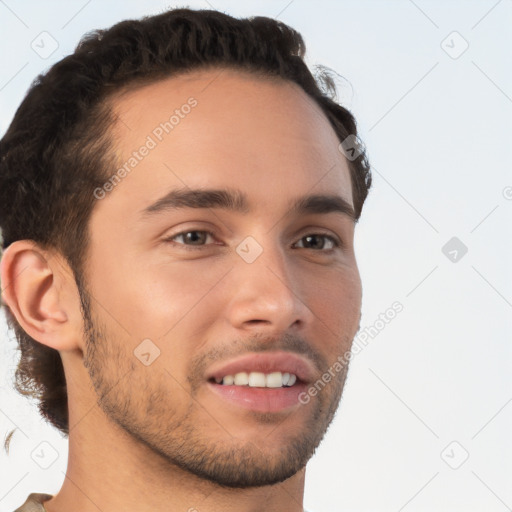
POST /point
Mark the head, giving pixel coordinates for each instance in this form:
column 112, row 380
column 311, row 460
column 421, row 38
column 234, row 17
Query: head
column 185, row 123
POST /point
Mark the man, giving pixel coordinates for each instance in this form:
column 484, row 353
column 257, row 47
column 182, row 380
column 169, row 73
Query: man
column 190, row 372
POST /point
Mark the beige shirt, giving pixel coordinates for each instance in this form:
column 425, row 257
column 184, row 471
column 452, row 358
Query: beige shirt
column 34, row 503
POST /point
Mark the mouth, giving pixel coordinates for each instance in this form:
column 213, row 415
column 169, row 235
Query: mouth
column 263, row 382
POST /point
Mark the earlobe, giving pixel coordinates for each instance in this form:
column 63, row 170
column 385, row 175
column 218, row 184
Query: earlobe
column 32, row 288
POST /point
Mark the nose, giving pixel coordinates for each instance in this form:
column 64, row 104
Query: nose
column 268, row 295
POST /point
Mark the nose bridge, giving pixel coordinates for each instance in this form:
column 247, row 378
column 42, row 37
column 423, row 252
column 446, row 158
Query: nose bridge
column 266, row 288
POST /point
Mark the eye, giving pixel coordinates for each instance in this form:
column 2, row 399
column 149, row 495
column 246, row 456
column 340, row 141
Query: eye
column 316, row 241
column 195, row 237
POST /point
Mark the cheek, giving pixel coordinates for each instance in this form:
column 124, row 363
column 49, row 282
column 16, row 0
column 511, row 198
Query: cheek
column 159, row 300
column 336, row 302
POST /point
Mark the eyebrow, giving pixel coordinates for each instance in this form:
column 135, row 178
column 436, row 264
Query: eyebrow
column 236, row 201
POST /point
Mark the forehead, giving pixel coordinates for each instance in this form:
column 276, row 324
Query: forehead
column 219, row 127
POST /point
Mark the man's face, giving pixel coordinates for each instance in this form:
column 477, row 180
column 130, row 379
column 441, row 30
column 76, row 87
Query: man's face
column 212, row 301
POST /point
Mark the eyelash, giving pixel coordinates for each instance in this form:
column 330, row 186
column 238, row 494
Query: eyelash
column 199, row 247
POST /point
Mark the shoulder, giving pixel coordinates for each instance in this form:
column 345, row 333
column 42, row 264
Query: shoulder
column 34, row 503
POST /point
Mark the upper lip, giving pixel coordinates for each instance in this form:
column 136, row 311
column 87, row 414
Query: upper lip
column 268, row 362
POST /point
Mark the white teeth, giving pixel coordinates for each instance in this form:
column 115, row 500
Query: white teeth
column 274, row 380
column 228, row 380
column 259, row 379
column 241, row 379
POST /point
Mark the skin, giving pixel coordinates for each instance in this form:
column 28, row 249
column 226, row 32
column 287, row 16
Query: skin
column 155, row 435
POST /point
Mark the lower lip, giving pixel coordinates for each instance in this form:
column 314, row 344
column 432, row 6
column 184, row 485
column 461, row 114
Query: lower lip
column 260, row 399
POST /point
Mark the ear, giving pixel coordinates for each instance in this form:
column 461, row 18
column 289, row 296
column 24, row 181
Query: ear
column 41, row 292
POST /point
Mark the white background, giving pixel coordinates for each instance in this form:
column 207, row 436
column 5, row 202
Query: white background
column 438, row 133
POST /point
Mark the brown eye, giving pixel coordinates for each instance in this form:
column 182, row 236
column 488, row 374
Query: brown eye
column 317, row 241
column 191, row 239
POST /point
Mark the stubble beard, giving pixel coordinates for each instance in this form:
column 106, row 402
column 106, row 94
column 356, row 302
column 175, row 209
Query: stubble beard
column 142, row 408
